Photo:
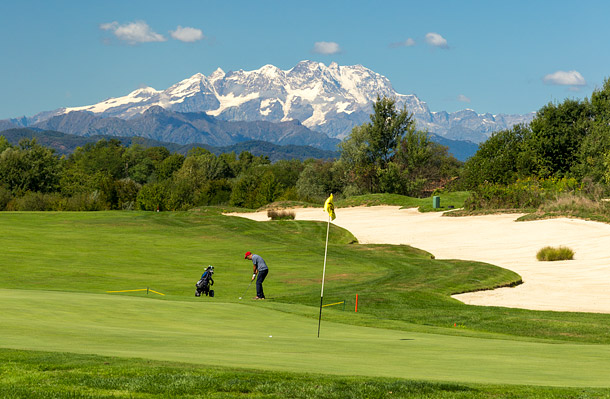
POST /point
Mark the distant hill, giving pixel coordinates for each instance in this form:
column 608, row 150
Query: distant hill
column 462, row 150
column 160, row 124
column 65, row 144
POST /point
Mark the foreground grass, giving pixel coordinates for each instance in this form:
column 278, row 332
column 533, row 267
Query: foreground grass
column 36, row 375
column 260, row 336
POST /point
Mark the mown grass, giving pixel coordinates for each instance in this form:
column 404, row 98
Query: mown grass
column 32, row 374
column 98, row 252
column 448, row 200
column 399, row 288
column 554, row 254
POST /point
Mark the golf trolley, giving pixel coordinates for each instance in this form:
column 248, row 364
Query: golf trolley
column 204, row 284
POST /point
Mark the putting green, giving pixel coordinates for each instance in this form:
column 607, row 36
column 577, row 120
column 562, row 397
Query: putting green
column 233, row 334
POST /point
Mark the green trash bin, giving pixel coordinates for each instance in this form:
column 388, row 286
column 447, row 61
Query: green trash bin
column 436, row 202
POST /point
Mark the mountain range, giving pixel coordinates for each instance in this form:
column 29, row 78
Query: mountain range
column 309, row 104
column 160, row 124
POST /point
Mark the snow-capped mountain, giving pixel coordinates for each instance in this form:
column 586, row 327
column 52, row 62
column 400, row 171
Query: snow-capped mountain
column 330, row 99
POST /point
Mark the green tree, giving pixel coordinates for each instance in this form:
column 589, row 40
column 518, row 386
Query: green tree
column 502, row 158
column 387, row 127
column 319, row 179
column 4, row 144
column 390, row 155
column 166, row 168
column 105, row 156
column 244, row 191
column 557, row 133
column 29, row 167
column 153, row 197
column 593, row 151
column 357, row 160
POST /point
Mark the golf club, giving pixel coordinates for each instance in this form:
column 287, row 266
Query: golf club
column 247, row 288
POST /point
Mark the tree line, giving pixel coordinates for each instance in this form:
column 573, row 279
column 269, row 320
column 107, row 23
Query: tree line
column 565, row 148
column 386, row 154
column 565, row 140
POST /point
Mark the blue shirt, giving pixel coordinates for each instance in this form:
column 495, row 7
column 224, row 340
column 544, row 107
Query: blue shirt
column 259, row 263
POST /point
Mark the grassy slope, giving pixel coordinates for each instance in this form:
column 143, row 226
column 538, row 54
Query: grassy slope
column 99, row 251
column 255, row 337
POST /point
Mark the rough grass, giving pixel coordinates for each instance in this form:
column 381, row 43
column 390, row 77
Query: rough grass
column 275, row 214
column 572, row 205
column 34, row 375
column 555, row 253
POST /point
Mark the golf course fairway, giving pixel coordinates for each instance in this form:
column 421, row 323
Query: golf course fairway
column 251, row 336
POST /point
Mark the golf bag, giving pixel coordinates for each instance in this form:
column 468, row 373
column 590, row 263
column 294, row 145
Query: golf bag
column 204, row 284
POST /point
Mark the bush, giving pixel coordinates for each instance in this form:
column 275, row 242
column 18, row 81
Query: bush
column 35, row 201
column 127, row 193
column 572, row 204
column 552, row 254
column 5, row 197
column 280, row 215
column 85, row 202
column 153, row 197
column 524, row 193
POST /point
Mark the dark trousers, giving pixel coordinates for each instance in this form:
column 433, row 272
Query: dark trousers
column 259, row 283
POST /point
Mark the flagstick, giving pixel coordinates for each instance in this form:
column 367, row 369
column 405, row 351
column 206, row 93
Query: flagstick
column 323, row 274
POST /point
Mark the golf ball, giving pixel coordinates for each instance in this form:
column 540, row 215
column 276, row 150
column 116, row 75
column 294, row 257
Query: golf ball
column 270, row 336
column 239, row 297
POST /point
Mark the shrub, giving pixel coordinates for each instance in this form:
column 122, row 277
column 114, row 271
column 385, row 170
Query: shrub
column 524, row 193
column 575, row 204
column 153, row 197
column 280, row 215
column 127, row 193
column 552, row 254
column 5, row 197
column 35, row 201
column 85, row 202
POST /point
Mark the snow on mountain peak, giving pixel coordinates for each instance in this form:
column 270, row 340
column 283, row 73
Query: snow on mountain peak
column 330, row 99
column 216, row 75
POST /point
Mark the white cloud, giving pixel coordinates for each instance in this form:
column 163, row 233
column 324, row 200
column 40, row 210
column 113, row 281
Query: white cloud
column 133, row 32
column 436, row 40
column 563, row 78
column 462, row 98
column 406, row 43
column 326, row 48
column 409, row 43
column 187, row 34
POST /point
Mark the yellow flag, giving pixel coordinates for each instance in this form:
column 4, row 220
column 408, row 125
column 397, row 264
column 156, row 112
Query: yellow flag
column 329, row 207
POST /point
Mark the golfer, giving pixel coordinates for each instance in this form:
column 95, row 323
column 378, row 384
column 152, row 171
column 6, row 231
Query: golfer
column 259, row 267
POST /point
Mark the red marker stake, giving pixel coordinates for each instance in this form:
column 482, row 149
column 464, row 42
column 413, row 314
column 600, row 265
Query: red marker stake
column 356, row 303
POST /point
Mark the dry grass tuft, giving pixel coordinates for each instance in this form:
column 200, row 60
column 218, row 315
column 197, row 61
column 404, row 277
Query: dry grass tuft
column 280, row 215
column 552, row 254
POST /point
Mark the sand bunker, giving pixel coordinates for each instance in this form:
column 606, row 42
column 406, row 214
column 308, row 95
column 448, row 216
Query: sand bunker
column 582, row 284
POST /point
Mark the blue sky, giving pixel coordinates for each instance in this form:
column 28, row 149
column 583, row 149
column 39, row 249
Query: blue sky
column 490, row 56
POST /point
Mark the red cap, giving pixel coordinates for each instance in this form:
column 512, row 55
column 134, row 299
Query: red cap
column 247, row 254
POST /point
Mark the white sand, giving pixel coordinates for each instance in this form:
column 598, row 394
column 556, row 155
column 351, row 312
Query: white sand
column 582, row 284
